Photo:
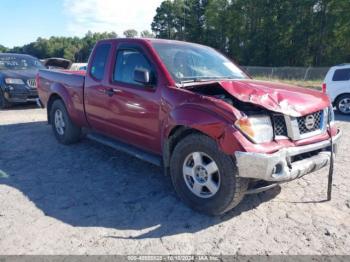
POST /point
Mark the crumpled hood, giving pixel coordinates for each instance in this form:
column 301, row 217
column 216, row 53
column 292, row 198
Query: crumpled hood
column 287, row 99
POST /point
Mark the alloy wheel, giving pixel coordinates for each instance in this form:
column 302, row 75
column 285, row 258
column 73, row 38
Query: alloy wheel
column 201, row 174
column 344, row 105
column 59, row 122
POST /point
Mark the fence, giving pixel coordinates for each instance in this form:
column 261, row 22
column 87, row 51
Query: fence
column 295, row 73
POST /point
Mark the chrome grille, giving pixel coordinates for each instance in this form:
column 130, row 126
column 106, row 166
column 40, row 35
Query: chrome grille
column 31, row 83
column 279, row 125
column 300, row 127
column 315, row 120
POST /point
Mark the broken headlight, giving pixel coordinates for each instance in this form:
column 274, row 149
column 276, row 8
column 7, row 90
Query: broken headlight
column 258, row 128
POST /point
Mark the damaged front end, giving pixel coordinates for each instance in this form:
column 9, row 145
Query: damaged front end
column 283, row 132
column 288, row 163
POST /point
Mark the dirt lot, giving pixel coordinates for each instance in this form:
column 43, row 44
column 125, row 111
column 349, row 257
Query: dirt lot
column 90, row 199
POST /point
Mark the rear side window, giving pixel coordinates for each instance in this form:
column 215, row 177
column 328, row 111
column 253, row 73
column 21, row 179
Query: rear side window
column 341, row 75
column 126, row 64
column 99, row 61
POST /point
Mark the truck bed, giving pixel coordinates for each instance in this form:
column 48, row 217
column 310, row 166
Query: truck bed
column 73, row 79
column 70, row 86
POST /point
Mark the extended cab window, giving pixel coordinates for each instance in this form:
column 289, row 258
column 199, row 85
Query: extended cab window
column 99, row 61
column 126, row 64
column 341, row 75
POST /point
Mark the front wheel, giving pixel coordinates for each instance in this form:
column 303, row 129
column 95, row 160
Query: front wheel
column 343, row 104
column 204, row 177
column 64, row 129
column 3, row 102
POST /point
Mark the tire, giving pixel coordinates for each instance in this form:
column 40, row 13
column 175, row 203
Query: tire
column 343, row 104
column 64, row 129
column 230, row 188
column 3, row 102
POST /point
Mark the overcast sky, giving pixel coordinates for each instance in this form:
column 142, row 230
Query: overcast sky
column 23, row 21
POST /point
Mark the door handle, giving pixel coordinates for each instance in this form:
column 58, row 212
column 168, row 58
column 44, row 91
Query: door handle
column 109, row 92
column 112, row 91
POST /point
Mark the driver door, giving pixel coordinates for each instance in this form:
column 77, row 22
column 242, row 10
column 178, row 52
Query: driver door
column 134, row 107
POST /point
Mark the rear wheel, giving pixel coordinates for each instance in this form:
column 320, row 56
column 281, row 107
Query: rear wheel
column 3, row 102
column 343, row 104
column 204, row 177
column 64, row 129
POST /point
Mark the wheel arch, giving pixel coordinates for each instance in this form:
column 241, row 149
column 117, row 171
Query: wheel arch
column 189, row 119
column 193, row 118
column 53, row 97
column 73, row 103
column 340, row 95
column 177, row 133
column 337, row 100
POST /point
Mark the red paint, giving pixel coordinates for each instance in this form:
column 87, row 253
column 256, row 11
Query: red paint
column 146, row 116
column 278, row 97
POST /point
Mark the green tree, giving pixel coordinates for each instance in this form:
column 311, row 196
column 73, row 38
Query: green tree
column 3, row 49
column 253, row 32
column 262, row 32
column 215, row 16
column 73, row 48
column 130, row 33
column 147, row 34
column 163, row 24
column 339, row 31
column 194, row 20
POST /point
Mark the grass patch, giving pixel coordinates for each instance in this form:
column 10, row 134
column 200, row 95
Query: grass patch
column 314, row 84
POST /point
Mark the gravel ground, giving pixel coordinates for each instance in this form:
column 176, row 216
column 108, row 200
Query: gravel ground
column 90, row 199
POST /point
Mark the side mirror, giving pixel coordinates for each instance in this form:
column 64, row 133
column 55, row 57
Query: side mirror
column 142, row 76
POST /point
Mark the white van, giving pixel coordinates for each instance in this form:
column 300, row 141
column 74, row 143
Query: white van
column 337, row 86
column 78, row 67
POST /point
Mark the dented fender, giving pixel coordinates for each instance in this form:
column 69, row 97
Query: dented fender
column 198, row 118
column 205, row 121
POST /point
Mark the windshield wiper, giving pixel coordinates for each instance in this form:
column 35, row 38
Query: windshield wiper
column 205, row 79
column 198, row 79
column 187, row 81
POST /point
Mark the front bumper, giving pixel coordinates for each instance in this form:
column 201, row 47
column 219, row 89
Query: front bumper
column 288, row 163
column 21, row 96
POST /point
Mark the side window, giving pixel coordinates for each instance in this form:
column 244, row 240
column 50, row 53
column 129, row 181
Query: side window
column 99, row 61
column 341, row 75
column 126, row 63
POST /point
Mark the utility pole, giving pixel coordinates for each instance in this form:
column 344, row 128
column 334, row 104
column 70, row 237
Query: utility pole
column 184, row 25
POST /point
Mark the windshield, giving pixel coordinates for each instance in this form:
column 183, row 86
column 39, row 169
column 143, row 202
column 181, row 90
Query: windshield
column 17, row 62
column 191, row 62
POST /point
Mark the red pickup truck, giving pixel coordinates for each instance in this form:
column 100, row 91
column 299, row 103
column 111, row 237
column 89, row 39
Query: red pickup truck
column 188, row 108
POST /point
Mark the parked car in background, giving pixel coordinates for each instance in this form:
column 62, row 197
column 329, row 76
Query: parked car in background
column 56, row 63
column 337, row 86
column 17, row 78
column 78, row 67
column 188, row 108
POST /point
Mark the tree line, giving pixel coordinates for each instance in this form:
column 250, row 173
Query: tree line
column 73, row 48
column 262, row 32
column 253, row 32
